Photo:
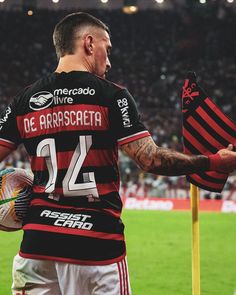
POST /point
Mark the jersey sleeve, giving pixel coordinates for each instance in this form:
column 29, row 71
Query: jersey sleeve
column 125, row 120
column 9, row 134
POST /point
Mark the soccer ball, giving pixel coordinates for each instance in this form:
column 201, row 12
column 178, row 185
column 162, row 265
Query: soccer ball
column 15, row 190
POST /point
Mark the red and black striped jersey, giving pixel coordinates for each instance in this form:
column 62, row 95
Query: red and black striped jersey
column 71, row 125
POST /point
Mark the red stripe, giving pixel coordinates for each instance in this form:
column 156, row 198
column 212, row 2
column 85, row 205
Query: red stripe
column 33, row 124
column 106, row 188
column 7, row 144
column 195, row 143
column 113, row 212
column 97, row 158
column 218, row 112
column 120, row 276
column 123, row 276
column 103, row 188
column 73, row 231
column 215, row 126
column 74, row 261
column 207, row 136
column 38, row 189
column 40, row 202
column 207, row 183
column 126, row 276
column 217, row 175
column 133, row 138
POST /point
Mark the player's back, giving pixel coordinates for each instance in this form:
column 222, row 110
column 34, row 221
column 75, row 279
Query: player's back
column 68, row 136
column 71, row 125
column 65, row 123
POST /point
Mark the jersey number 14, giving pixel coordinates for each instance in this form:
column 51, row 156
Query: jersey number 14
column 47, row 148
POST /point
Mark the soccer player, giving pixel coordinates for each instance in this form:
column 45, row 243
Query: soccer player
column 71, row 123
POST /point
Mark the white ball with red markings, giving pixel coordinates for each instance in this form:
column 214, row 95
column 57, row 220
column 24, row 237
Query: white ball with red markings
column 15, row 192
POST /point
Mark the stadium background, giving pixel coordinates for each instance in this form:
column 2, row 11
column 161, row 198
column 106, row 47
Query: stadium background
column 152, row 51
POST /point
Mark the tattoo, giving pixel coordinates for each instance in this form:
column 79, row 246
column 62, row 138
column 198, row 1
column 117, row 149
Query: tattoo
column 163, row 161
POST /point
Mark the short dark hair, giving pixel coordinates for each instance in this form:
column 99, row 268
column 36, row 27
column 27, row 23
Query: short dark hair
column 65, row 31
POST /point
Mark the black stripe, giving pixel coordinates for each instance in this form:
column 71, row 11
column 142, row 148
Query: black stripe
column 96, row 100
column 210, row 130
column 190, row 147
column 218, row 120
column 70, row 246
column 108, row 201
column 205, row 144
column 208, row 188
column 67, row 141
column 211, row 179
column 104, row 174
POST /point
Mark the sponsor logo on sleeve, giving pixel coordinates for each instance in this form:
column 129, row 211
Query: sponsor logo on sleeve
column 5, row 117
column 124, row 109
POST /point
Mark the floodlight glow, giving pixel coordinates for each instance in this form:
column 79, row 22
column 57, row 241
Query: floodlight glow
column 159, row 1
column 55, row 1
column 104, row 1
column 130, row 9
column 202, row 1
column 2, row 1
column 30, row 12
column 230, row 1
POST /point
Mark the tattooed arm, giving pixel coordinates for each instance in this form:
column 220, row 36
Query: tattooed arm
column 158, row 160
column 163, row 161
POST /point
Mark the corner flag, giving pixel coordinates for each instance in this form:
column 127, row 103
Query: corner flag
column 206, row 129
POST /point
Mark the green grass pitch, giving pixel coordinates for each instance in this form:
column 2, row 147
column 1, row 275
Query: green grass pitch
column 159, row 253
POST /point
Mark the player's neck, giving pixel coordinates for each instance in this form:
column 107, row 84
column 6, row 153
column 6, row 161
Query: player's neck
column 69, row 63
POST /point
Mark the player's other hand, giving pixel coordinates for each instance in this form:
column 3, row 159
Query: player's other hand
column 224, row 160
column 3, row 228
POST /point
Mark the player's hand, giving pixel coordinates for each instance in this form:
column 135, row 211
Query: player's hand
column 3, row 228
column 224, row 160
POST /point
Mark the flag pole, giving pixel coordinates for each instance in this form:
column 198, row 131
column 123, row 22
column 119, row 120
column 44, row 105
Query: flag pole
column 194, row 194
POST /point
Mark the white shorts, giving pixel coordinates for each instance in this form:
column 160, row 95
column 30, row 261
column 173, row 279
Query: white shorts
column 44, row 277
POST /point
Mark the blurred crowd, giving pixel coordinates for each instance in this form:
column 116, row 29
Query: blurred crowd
column 152, row 52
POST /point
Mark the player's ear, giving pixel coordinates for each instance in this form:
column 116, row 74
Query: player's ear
column 88, row 44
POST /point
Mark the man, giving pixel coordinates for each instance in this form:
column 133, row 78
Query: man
column 71, row 123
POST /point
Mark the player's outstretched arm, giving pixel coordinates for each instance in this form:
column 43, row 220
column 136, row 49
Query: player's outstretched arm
column 163, row 161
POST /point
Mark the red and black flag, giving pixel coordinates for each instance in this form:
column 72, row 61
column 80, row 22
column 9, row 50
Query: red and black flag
column 206, row 129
